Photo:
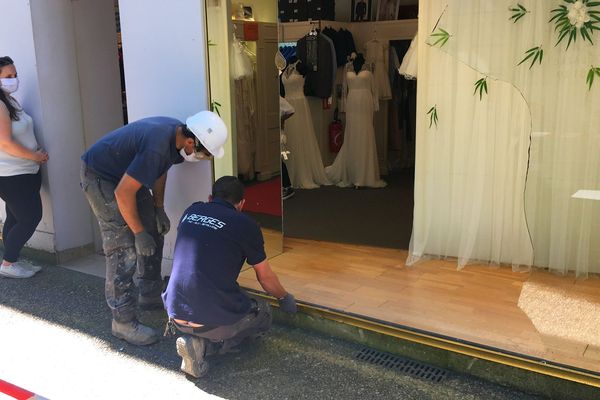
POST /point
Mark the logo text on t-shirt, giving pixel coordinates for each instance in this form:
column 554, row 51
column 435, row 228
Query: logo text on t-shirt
column 203, row 220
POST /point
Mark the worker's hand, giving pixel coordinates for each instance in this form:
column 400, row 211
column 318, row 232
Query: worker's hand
column 288, row 304
column 144, row 244
column 162, row 221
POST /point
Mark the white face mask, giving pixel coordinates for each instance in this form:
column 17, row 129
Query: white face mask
column 194, row 157
column 9, row 85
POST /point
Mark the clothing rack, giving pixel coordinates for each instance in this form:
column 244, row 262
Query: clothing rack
column 362, row 31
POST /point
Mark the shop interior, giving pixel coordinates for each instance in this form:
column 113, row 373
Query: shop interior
column 339, row 238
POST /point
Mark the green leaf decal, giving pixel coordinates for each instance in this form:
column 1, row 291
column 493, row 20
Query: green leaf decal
column 481, row 87
column 518, row 12
column 441, row 37
column 535, row 53
column 215, row 106
column 433, row 117
column 591, row 75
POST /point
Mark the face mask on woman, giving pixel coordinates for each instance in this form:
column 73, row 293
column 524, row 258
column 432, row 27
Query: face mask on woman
column 9, row 85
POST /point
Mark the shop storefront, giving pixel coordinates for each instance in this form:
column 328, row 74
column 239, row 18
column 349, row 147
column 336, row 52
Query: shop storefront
column 467, row 211
column 495, row 142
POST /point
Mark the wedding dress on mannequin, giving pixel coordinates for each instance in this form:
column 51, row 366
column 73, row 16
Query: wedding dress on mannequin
column 304, row 162
column 356, row 164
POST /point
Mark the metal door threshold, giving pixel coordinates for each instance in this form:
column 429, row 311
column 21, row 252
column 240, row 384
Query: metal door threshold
column 450, row 344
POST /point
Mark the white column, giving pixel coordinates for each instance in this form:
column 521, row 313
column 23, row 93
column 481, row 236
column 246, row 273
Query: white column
column 164, row 52
column 62, row 50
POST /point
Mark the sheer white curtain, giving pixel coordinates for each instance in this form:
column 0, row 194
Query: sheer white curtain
column 494, row 178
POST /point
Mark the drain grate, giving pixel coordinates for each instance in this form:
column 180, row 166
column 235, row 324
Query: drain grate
column 403, row 365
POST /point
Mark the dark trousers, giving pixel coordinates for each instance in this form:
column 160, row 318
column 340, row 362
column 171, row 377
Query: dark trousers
column 21, row 193
column 258, row 320
column 118, row 243
column 285, row 176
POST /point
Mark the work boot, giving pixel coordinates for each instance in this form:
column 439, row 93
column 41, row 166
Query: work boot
column 147, row 303
column 134, row 332
column 191, row 349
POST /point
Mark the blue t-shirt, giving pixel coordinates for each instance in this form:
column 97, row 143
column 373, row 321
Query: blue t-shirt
column 213, row 242
column 143, row 149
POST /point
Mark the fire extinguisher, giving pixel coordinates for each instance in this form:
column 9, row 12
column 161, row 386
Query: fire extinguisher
column 336, row 133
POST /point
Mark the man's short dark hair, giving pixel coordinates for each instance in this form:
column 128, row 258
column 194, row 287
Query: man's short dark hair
column 228, row 188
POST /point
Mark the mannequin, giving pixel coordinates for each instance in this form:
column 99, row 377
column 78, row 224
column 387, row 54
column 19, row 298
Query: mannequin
column 304, row 162
column 356, row 163
column 358, row 63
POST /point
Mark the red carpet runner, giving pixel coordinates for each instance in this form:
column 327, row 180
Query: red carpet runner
column 264, row 197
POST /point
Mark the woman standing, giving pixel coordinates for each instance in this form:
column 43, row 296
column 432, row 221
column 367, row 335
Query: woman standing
column 20, row 178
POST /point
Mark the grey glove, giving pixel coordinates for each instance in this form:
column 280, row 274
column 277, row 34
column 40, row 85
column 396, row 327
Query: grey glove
column 288, row 304
column 162, row 221
column 144, row 244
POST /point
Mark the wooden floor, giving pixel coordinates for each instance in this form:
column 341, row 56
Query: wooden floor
column 537, row 313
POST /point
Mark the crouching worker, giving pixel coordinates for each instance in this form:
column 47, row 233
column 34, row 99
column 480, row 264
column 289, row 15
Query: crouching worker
column 202, row 298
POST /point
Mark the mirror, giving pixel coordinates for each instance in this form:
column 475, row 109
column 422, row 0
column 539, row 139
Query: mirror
column 351, row 140
column 244, row 91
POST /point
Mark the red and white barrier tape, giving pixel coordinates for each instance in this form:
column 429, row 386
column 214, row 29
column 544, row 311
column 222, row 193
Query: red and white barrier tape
column 9, row 391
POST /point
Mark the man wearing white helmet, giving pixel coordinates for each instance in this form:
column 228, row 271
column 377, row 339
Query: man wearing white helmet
column 123, row 177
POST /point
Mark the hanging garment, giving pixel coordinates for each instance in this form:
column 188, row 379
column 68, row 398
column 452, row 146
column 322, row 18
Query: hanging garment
column 408, row 68
column 242, row 64
column 304, row 161
column 245, row 125
column 333, row 64
column 288, row 52
column 356, row 164
column 344, row 46
column 376, row 54
column 318, row 54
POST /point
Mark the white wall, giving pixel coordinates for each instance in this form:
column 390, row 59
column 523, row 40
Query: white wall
column 99, row 76
column 62, row 120
column 164, row 52
column 62, row 52
column 97, row 59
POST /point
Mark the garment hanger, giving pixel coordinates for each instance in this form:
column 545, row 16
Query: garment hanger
column 313, row 30
column 247, row 50
column 374, row 33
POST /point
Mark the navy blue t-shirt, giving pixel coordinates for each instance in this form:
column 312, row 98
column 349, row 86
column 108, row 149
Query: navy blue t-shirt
column 213, row 242
column 143, row 149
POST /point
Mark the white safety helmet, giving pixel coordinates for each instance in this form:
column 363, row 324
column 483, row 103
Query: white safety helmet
column 210, row 130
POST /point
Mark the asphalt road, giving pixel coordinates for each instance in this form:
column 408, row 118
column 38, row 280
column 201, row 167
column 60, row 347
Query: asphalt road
column 55, row 340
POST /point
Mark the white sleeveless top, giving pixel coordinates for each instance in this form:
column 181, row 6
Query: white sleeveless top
column 22, row 133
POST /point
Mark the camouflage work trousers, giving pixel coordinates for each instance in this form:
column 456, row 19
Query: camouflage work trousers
column 118, row 243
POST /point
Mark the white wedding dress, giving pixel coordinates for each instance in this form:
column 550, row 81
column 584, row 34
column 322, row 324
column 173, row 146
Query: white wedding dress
column 245, row 109
column 376, row 54
column 409, row 66
column 356, row 164
column 304, row 163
